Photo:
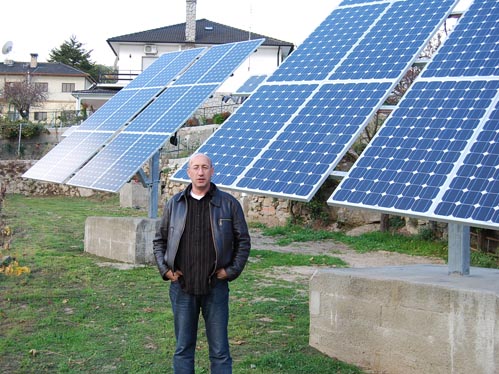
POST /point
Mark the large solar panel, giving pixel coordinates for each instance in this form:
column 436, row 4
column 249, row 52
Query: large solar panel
column 58, row 165
column 111, row 168
column 437, row 156
column 289, row 135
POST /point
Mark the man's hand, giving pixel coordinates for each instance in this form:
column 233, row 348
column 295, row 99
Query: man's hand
column 221, row 274
column 173, row 276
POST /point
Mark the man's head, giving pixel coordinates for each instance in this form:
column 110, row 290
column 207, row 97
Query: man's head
column 200, row 170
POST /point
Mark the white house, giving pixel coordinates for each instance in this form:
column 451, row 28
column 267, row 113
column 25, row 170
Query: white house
column 56, row 79
column 135, row 52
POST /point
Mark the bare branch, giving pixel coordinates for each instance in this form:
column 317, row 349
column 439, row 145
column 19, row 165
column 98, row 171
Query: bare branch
column 23, row 95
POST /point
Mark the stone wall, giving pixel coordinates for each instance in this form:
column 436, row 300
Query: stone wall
column 273, row 211
column 11, row 172
column 267, row 210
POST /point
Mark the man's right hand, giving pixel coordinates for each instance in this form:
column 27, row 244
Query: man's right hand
column 174, row 276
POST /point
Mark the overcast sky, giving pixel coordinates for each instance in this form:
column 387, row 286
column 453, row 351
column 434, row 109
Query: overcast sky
column 36, row 26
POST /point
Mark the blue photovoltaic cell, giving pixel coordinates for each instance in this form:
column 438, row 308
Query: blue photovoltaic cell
column 125, row 112
column 408, row 161
column 56, row 166
column 251, row 127
column 145, row 135
column 394, row 40
column 208, row 60
column 158, row 74
column 175, row 116
column 473, row 48
column 107, row 110
column 208, row 68
column 316, row 138
column 63, row 160
column 129, row 163
column 104, row 161
column 118, row 162
column 175, row 68
column 230, row 61
column 120, row 159
column 328, row 44
column 153, row 113
column 473, row 193
column 342, row 74
column 437, row 156
column 251, row 84
column 161, row 64
column 356, row 2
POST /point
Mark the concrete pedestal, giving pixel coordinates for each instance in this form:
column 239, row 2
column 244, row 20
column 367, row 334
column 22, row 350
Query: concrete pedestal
column 125, row 239
column 407, row 319
column 134, row 195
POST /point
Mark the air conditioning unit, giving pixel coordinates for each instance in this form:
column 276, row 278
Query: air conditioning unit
column 150, row 49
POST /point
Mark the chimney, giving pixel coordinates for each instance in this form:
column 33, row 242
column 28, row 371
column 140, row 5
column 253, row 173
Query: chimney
column 190, row 21
column 34, row 61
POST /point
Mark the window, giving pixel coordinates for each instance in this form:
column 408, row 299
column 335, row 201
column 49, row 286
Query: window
column 40, row 116
column 68, row 87
column 13, row 116
column 43, row 86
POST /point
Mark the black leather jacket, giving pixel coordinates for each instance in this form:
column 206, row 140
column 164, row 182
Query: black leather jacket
column 228, row 226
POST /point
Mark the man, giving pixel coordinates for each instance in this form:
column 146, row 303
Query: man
column 202, row 244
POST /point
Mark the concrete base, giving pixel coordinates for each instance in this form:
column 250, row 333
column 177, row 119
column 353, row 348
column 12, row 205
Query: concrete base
column 121, row 238
column 407, row 319
column 134, row 195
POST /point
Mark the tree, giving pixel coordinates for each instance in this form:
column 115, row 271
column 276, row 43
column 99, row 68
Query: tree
column 23, row 95
column 72, row 53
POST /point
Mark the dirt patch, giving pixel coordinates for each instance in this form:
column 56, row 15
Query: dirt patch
column 353, row 258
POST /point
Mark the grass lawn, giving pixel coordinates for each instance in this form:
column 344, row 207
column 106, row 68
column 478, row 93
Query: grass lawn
column 71, row 315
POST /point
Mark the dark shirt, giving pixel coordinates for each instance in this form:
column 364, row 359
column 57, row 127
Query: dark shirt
column 196, row 256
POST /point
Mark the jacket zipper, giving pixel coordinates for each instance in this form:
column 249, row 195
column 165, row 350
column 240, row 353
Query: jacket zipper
column 214, row 245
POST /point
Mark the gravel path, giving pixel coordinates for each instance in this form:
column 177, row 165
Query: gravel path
column 353, row 258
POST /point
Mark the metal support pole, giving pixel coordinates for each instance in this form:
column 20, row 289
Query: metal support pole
column 459, row 249
column 19, row 142
column 154, row 172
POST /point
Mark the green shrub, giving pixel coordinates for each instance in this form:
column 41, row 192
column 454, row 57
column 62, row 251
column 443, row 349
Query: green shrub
column 220, row 118
column 10, row 130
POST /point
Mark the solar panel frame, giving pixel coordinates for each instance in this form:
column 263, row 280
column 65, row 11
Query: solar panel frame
column 61, row 162
column 121, row 158
column 337, row 48
column 451, row 173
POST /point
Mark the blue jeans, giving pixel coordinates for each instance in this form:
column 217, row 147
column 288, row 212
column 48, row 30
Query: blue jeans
column 215, row 310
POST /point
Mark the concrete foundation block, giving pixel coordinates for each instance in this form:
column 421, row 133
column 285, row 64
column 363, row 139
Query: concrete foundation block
column 126, row 239
column 134, row 195
column 407, row 319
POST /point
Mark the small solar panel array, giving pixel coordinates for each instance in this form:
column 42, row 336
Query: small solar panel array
column 293, row 130
column 59, row 164
column 114, row 143
column 437, row 155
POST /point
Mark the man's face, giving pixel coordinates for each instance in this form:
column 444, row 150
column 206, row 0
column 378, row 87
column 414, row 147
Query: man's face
column 200, row 172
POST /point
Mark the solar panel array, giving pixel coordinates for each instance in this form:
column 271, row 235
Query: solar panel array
column 62, row 161
column 293, row 130
column 112, row 167
column 437, row 156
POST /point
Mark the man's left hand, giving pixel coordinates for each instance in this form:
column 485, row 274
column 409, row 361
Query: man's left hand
column 221, row 274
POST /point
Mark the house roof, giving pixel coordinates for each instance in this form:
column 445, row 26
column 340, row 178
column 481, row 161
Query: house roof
column 42, row 68
column 98, row 90
column 207, row 32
